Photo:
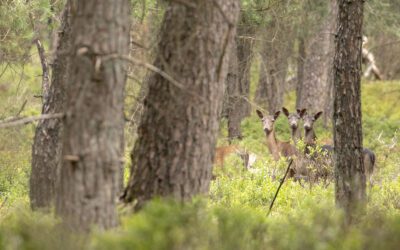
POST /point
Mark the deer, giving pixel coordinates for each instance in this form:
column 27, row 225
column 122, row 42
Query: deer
column 276, row 147
column 224, row 151
column 294, row 120
column 310, row 137
column 310, row 141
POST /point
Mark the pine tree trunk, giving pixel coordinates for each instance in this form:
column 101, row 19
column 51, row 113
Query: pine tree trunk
column 244, row 43
column 94, row 124
column 300, row 70
column 315, row 90
column 349, row 167
column 273, row 71
column 47, row 145
column 234, row 103
column 174, row 152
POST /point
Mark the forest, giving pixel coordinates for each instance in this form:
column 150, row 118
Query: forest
column 199, row 124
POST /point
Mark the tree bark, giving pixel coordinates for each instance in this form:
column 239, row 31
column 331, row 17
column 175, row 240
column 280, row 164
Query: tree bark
column 315, row 89
column 245, row 44
column 94, row 123
column 47, row 145
column 349, row 167
column 234, row 104
column 300, row 69
column 174, row 153
column 274, row 65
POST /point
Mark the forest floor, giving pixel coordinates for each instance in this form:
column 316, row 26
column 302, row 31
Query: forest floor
column 234, row 216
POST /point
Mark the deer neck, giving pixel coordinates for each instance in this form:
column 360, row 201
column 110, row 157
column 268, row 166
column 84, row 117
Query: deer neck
column 273, row 144
column 296, row 135
column 310, row 137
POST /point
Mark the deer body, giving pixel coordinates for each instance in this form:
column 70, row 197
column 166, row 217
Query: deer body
column 224, row 151
column 279, row 148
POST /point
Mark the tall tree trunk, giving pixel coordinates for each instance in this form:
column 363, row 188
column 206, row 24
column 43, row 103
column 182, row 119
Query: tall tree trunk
column 274, row 65
column 349, row 167
column 94, row 124
column 174, row 152
column 315, row 90
column 234, row 103
column 47, row 145
column 300, row 69
column 244, row 42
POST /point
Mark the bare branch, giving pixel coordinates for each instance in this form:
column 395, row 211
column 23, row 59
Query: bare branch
column 30, row 119
column 152, row 68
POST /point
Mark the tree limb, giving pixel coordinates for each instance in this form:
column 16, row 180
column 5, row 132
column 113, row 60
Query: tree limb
column 26, row 120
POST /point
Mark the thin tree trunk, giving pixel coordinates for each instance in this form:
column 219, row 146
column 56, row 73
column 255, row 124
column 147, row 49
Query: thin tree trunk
column 94, row 125
column 47, row 145
column 349, row 167
column 234, row 103
column 174, row 152
column 244, row 43
column 300, row 70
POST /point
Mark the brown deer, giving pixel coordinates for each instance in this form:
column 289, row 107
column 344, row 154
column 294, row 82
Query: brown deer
column 279, row 148
column 294, row 121
column 309, row 134
column 224, row 151
column 310, row 141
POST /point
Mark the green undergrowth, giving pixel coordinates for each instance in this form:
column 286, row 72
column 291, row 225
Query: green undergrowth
column 202, row 224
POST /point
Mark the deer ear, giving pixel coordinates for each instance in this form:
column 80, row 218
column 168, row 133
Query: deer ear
column 285, row 111
column 260, row 114
column 276, row 115
column 317, row 115
column 302, row 112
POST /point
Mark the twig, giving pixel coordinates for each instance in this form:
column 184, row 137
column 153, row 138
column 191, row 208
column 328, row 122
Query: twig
column 4, row 202
column 280, row 185
column 22, row 108
column 26, row 120
column 153, row 68
column 5, row 68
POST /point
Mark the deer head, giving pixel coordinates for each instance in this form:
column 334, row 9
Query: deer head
column 268, row 121
column 294, row 118
column 309, row 120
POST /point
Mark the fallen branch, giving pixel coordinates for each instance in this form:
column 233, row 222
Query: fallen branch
column 280, row 185
column 26, row 120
